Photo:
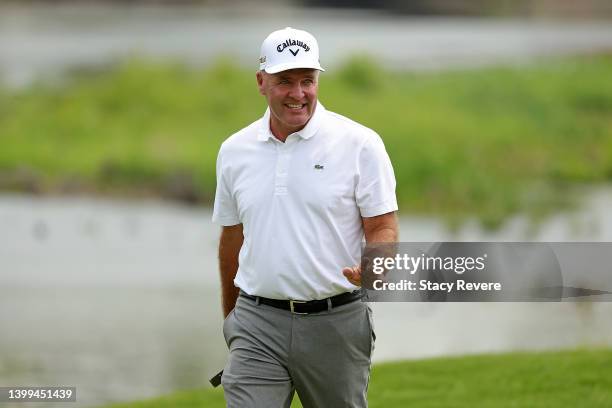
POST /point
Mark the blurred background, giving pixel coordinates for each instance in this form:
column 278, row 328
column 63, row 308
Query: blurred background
column 497, row 116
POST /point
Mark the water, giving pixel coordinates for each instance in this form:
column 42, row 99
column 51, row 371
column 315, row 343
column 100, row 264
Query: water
column 44, row 40
column 121, row 299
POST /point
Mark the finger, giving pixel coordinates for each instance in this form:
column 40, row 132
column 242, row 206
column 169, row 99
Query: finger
column 355, row 276
column 349, row 273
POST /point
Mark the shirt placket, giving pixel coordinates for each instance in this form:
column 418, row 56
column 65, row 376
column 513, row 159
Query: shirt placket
column 283, row 158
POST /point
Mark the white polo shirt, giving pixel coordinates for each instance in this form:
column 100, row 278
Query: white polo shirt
column 301, row 203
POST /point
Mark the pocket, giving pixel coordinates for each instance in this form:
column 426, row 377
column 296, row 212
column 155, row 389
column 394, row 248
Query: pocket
column 371, row 322
column 229, row 315
column 225, row 325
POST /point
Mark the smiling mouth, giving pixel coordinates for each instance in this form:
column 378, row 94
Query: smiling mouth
column 295, row 106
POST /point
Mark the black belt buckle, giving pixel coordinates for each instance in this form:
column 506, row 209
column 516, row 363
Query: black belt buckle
column 292, row 307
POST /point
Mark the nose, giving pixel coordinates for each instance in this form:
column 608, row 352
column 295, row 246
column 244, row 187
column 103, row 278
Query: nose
column 296, row 92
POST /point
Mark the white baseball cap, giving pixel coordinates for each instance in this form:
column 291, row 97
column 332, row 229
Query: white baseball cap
column 289, row 49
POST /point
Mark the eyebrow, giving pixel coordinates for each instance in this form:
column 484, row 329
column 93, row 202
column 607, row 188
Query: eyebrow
column 307, row 76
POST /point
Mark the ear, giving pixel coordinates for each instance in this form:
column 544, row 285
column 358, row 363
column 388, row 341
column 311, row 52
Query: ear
column 260, row 82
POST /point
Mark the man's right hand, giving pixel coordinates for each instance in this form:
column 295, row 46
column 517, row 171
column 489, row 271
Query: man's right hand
column 229, row 248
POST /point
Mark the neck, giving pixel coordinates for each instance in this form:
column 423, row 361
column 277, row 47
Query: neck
column 282, row 132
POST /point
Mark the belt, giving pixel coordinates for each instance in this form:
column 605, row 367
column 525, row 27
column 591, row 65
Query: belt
column 306, row 307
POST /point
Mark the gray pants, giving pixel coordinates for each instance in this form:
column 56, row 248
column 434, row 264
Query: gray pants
column 324, row 356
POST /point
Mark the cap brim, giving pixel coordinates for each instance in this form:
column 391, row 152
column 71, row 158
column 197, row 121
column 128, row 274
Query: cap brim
column 291, row 65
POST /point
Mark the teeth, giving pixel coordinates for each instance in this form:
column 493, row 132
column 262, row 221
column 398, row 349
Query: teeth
column 294, row 106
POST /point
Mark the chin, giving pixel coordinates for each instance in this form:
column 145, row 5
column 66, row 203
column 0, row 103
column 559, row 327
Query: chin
column 299, row 121
column 299, row 125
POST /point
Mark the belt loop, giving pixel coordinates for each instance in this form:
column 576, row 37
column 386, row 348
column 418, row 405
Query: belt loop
column 329, row 304
column 257, row 300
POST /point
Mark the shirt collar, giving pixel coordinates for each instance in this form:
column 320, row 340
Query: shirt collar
column 264, row 133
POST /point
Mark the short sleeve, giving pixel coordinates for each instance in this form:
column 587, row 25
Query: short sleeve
column 225, row 211
column 375, row 192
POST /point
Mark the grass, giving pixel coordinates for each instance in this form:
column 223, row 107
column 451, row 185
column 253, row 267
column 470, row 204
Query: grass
column 580, row 378
column 488, row 142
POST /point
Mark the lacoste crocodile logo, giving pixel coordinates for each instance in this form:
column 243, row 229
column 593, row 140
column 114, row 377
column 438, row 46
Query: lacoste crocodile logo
column 318, row 167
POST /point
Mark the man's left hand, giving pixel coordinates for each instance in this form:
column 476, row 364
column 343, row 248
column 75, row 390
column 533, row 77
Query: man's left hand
column 353, row 274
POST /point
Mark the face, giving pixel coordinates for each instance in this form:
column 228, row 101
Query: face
column 292, row 98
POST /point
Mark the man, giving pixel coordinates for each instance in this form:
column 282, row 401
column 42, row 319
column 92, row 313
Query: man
column 296, row 192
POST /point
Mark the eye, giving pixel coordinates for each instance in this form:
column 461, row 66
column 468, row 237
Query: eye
column 283, row 81
column 308, row 82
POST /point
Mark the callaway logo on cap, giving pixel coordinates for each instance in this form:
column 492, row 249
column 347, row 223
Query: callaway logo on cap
column 289, row 49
